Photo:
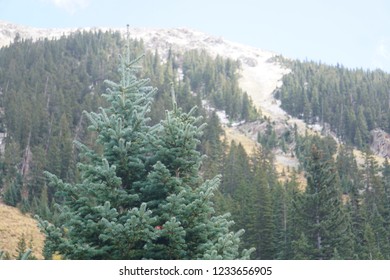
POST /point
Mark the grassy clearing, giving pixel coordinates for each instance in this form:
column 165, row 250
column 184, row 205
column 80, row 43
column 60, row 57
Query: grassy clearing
column 233, row 134
column 13, row 224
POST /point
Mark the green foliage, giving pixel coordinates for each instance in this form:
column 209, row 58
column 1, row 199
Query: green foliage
column 287, row 220
column 301, row 248
column 212, row 147
column 217, row 80
column 367, row 204
column 143, row 188
column 322, row 217
column 248, row 187
column 24, row 252
column 268, row 140
column 46, row 85
column 141, row 195
column 4, row 255
column 352, row 102
column 12, row 195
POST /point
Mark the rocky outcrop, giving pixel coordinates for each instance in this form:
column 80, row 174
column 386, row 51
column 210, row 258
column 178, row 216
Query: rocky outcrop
column 380, row 144
column 3, row 135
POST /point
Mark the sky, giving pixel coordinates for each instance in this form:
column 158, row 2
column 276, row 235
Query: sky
column 355, row 34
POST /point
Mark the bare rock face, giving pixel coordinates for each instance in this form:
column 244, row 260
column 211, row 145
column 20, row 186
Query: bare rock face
column 380, row 142
column 3, row 135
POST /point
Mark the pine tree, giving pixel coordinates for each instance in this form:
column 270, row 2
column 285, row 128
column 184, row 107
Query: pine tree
column 376, row 202
column 236, row 169
column 285, row 224
column 370, row 249
column 12, row 195
column 264, row 218
column 386, row 186
column 301, row 248
column 141, row 196
column 24, row 252
column 322, row 216
column 213, row 147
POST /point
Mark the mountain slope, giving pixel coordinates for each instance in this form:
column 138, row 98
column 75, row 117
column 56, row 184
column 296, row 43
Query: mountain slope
column 260, row 73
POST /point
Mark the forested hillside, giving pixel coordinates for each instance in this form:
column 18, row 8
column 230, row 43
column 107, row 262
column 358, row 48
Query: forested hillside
column 135, row 164
column 352, row 102
column 46, row 85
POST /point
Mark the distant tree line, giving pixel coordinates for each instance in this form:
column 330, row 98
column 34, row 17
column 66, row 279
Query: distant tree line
column 352, row 101
column 341, row 212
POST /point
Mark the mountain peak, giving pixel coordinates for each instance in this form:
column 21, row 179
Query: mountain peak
column 154, row 38
column 8, row 32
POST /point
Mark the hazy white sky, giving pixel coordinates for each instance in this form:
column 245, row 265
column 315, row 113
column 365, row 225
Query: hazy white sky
column 352, row 33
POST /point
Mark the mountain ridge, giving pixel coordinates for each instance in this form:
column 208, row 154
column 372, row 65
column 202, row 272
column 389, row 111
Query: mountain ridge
column 260, row 73
column 258, row 65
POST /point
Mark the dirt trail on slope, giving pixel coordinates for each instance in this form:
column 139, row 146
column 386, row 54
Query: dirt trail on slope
column 260, row 82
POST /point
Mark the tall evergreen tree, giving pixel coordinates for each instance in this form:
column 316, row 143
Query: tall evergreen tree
column 375, row 207
column 142, row 196
column 265, row 226
column 285, row 218
column 324, row 223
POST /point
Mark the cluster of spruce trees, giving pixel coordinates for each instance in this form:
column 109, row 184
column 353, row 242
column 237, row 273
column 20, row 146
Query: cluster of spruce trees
column 352, row 102
column 140, row 195
column 342, row 212
column 137, row 184
column 63, row 78
column 217, row 81
column 45, row 87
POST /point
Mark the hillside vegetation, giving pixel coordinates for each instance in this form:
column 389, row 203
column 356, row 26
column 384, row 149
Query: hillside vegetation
column 342, row 213
column 353, row 102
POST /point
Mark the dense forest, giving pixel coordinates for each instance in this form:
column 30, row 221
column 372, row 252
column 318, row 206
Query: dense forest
column 46, row 85
column 144, row 171
column 352, row 102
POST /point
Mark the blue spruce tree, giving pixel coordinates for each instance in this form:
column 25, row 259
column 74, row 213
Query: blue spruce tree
column 141, row 195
